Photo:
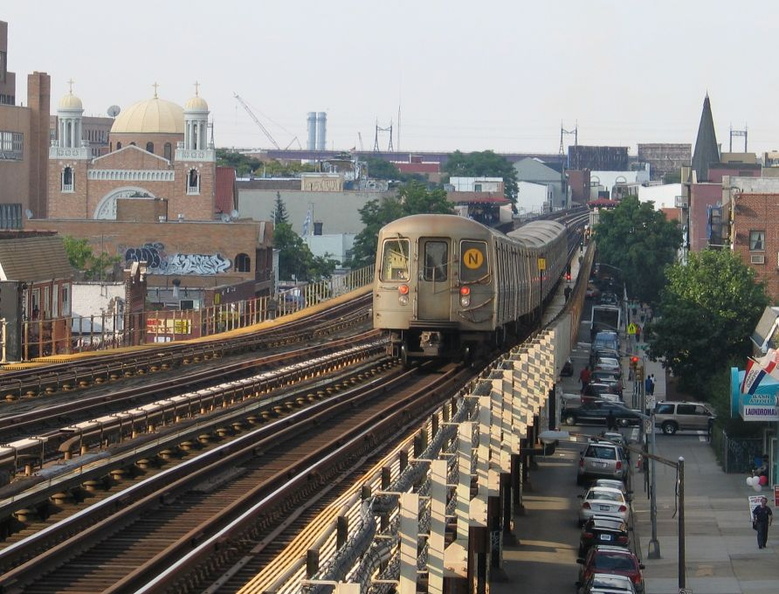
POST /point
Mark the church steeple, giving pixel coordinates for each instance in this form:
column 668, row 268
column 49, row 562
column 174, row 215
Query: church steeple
column 706, row 151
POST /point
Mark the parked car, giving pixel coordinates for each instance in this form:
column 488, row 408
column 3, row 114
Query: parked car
column 608, row 583
column 613, row 483
column 600, row 352
column 601, row 459
column 607, row 339
column 673, row 416
column 608, row 364
column 614, row 560
column 603, row 501
column 596, row 411
column 599, row 391
column 603, row 530
column 609, row 298
column 609, row 379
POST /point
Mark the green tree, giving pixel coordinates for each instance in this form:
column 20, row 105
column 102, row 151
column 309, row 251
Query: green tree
column 641, row 242
column 381, row 169
column 485, row 164
column 709, row 309
column 243, row 164
column 82, row 257
column 279, row 214
column 412, row 198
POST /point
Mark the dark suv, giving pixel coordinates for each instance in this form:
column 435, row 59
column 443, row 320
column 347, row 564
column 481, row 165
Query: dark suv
column 673, row 416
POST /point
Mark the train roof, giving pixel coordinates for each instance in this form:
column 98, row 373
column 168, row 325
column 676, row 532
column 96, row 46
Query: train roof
column 439, row 224
column 537, row 233
column 532, row 235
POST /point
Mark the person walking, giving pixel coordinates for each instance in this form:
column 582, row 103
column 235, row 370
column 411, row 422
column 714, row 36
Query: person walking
column 611, row 421
column 762, row 517
column 584, row 377
column 649, row 385
column 567, row 292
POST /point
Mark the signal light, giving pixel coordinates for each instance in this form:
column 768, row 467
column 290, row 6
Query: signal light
column 633, row 363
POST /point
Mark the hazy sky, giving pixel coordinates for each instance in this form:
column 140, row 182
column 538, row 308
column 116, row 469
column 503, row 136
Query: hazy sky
column 446, row 74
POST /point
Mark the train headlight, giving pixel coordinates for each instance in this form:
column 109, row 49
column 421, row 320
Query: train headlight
column 465, row 296
column 403, row 292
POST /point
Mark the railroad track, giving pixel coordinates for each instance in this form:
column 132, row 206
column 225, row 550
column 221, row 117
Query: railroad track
column 46, row 376
column 269, row 471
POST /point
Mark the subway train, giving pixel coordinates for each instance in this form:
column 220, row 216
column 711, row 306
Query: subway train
column 448, row 287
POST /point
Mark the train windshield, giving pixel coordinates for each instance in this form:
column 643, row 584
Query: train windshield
column 394, row 260
column 436, row 261
column 473, row 261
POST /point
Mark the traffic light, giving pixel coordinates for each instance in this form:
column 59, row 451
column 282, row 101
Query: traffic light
column 640, row 373
column 633, row 363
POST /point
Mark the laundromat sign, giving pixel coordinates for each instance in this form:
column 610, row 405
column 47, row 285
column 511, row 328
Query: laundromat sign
column 759, row 407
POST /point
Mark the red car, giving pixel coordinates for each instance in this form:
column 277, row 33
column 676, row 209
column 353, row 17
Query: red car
column 610, row 559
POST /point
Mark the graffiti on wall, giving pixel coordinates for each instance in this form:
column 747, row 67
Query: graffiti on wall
column 160, row 262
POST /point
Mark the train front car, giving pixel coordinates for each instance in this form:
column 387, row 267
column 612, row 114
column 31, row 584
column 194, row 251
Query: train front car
column 434, row 289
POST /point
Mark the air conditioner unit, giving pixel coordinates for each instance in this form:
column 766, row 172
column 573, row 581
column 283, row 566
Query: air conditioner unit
column 757, row 259
column 681, row 202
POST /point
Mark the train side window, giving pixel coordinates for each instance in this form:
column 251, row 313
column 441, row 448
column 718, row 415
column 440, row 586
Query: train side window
column 436, row 261
column 473, row 261
column 394, row 260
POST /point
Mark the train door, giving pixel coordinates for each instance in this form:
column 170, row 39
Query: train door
column 434, row 298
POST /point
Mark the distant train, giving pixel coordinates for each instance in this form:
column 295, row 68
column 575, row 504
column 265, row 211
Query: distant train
column 448, row 287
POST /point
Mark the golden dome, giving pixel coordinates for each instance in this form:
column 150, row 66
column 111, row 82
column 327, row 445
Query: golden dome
column 70, row 101
column 148, row 117
column 197, row 103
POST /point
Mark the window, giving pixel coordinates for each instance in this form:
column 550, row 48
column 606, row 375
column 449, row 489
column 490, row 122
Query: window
column 394, row 260
column 118, row 145
column 149, row 147
column 67, row 179
column 193, row 182
column 167, row 151
column 436, row 261
column 243, row 263
column 757, row 241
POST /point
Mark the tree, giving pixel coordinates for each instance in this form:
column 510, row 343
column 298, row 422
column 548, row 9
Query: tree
column 412, row 198
column 641, row 242
column 82, row 257
column 485, row 164
column 381, row 169
column 709, row 309
column 279, row 214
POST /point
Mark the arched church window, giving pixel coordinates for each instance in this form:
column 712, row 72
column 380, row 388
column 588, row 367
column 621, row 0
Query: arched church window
column 193, row 182
column 149, row 147
column 243, row 263
column 67, row 179
column 118, row 145
column 167, row 151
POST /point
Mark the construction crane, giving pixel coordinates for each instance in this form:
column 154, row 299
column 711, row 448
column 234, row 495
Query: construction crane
column 256, row 121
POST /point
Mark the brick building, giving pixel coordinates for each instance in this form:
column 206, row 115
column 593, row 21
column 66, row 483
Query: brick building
column 157, row 196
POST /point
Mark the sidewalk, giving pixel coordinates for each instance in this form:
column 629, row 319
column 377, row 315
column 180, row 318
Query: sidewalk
column 720, row 546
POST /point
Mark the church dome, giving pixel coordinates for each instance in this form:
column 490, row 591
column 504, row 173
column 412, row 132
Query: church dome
column 155, row 116
column 197, row 103
column 70, row 101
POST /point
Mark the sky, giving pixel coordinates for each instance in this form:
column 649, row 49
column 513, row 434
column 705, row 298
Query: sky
column 445, row 75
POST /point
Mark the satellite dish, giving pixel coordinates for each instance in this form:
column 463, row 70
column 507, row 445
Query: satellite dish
column 234, row 214
column 114, row 110
column 28, row 214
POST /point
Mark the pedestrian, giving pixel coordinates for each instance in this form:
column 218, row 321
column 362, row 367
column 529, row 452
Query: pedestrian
column 567, row 292
column 611, row 421
column 638, row 333
column 584, row 377
column 649, row 385
column 762, row 517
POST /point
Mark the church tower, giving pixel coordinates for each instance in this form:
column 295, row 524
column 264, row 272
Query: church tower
column 68, row 157
column 706, row 152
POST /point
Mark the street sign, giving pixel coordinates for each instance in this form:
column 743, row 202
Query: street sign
column 632, row 328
